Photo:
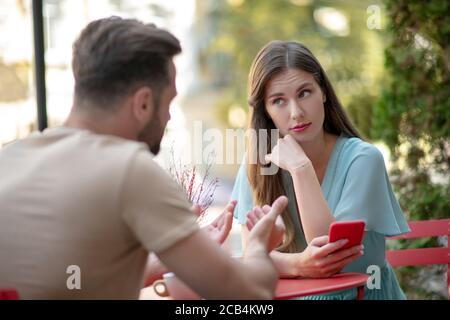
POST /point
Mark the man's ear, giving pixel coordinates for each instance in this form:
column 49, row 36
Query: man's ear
column 142, row 105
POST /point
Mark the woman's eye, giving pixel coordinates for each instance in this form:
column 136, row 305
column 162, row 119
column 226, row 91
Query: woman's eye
column 304, row 93
column 277, row 102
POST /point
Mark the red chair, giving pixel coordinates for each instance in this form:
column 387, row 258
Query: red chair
column 423, row 256
column 9, row 294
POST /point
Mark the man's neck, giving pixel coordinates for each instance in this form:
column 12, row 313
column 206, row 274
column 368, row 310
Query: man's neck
column 99, row 123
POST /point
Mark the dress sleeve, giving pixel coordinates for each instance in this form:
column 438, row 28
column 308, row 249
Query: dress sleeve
column 243, row 194
column 367, row 195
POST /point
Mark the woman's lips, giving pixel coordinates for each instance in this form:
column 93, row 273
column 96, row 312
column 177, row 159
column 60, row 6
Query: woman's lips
column 301, row 128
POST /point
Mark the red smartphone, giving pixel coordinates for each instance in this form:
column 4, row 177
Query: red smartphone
column 351, row 230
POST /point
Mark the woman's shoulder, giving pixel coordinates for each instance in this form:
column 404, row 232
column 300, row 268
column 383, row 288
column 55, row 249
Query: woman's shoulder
column 356, row 149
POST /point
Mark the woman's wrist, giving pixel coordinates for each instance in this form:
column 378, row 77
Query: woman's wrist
column 297, row 168
column 297, row 263
column 288, row 264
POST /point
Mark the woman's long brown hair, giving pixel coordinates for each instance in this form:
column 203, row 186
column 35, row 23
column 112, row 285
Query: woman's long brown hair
column 274, row 58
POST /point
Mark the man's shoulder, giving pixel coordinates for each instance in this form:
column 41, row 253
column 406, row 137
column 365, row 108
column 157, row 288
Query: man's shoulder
column 66, row 148
column 105, row 142
column 73, row 138
column 144, row 166
column 102, row 146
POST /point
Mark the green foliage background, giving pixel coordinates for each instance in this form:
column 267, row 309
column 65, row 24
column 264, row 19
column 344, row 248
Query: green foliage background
column 412, row 117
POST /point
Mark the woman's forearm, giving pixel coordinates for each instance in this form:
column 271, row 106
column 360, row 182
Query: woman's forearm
column 314, row 212
column 287, row 264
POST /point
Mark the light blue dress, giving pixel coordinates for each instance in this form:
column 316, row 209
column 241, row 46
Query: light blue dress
column 356, row 187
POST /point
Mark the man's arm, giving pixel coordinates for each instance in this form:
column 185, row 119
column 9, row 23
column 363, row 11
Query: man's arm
column 218, row 231
column 221, row 277
column 154, row 270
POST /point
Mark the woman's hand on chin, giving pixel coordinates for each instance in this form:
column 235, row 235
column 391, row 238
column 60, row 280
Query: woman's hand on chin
column 288, row 154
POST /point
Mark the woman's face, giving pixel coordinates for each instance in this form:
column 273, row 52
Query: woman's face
column 294, row 101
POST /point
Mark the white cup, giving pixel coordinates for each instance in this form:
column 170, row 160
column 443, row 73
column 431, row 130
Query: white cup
column 171, row 286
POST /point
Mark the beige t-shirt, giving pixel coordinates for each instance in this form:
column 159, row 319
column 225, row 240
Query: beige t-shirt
column 72, row 199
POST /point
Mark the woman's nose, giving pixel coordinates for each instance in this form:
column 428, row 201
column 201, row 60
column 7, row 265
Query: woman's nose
column 297, row 111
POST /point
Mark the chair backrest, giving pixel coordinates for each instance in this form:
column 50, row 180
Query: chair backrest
column 9, row 294
column 423, row 256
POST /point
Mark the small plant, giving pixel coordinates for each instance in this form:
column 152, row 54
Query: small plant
column 199, row 189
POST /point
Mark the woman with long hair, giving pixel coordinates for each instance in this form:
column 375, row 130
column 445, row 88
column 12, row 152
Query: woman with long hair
column 327, row 171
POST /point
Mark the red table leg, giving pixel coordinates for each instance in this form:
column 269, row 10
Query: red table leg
column 360, row 295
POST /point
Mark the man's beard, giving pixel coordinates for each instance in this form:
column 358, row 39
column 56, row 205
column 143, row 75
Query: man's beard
column 152, row 135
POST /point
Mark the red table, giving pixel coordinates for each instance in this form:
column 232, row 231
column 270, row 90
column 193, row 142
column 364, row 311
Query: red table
column 293, row 288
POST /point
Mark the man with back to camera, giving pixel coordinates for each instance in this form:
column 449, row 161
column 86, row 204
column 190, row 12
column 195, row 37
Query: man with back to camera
column 90, row 195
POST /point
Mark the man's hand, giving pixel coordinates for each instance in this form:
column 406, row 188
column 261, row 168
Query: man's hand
column 218, row 231
column 220, row 228
column 256, row 257
column 277, row 235
column 263, row 230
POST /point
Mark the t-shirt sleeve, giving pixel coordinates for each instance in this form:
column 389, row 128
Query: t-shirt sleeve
column 243, row 194
column 154, row 206
column 367, row 195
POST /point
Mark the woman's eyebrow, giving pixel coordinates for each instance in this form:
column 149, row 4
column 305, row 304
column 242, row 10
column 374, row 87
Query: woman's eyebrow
column 278, row 94
column 304, row 84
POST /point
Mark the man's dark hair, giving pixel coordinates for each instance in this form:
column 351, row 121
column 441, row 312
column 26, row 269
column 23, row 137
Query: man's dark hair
column 112, row 57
